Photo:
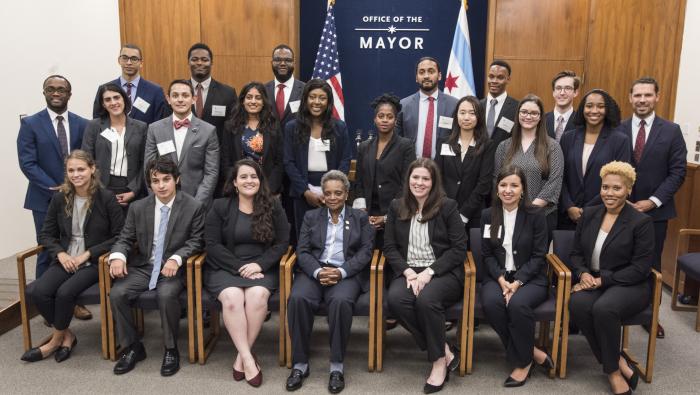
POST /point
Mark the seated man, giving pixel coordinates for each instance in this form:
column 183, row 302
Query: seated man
column 166, row 229
column 334, row 249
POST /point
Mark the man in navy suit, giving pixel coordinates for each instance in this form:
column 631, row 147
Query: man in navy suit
column 426, row 115
column 564, row 89
column 499, row 108
column 44, row 140
column 659, row 157
column 147, row 99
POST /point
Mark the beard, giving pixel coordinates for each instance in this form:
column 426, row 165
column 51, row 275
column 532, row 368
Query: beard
column 283, row 77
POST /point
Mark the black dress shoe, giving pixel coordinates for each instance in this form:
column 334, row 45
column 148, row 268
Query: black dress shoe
column 336, row 383
column 511, row 382
column 63, row 353
column 633, row 381
column 33, row 355
column 660, row 333
column 390, row 324
column 171, row 362
column 135, row 353
column 431, row 389
column 547, row 364
column 296, row 379
column 454, row 363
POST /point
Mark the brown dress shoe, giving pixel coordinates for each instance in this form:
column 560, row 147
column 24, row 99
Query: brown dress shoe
column 82, row 313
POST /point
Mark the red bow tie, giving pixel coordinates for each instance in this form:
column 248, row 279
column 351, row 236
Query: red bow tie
column 183, row 123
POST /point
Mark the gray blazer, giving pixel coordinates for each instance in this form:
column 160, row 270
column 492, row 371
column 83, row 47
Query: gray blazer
column 199, row 159
column 407, row 121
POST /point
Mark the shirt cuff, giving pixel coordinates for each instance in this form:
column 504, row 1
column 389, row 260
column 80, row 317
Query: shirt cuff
column 177, row 258
column 316, row 273
column 656, row 201
column 464, row 219
column 359, row 203
column 343, row 274
column 116, row 255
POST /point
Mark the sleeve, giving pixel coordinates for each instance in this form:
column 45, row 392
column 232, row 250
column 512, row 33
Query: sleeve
column 307, row 261
column 137, row 184
column 392, row 249
column 362, row 256
column 577, row 258
column 297, row 180
column 480, row 193
column 540, row 245
column 677, row 163
column 490, row 261
column 205, row 191
column 552, row 187
column 50, row 234
column 195, row 241
column 127, row 237
column 116, row 222
column 151, row 149
column 398, row 129
column 272, row 255
column 218, row 254
column 639, row 266
column 89, row 137
column 454, row 256
column 27, row 152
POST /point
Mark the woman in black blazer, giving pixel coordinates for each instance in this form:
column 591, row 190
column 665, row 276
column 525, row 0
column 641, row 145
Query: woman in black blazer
column 611, row 260
column 381, row 165
column 425, row 245
column 82, row 223
column 117, row 143
column 465, row 159
column 514, row 243
column 588, row 147
column 253, row 132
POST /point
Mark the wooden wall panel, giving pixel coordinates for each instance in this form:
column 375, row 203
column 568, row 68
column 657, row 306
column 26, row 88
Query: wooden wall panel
column 535, row 76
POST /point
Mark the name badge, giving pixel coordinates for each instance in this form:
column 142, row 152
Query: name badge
column 446, row 150
column 487, row 231
column 218, row 111
column 294, row 106
column 141, row 105
column 322, row 146
column 166, row 147
column 110, row 135
column 506, row 124
column 445, row 122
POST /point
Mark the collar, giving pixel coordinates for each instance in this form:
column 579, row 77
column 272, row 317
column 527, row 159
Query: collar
column 53, row 114
column 424, row 97
column 160, row 204
column 566, row 114
column 341, row 216
column 649, row 119
column 510, row 214
column 287, row 84
column 205, row 83
column 176, row 118
column 135, row 81
column 501, row 98
column 471, row 143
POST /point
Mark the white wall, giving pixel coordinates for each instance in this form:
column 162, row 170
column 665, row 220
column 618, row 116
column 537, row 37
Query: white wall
column 75, row 38
column 687, row 114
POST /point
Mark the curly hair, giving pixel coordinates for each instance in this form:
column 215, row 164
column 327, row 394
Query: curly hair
column 68, row 189
column 261, row 221
column 612, row 110
column 239, row 117
column 622, row 169
column 386, row 98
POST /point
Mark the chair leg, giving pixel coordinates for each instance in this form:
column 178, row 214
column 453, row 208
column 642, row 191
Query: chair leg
column 281, row 353
column 697, row 319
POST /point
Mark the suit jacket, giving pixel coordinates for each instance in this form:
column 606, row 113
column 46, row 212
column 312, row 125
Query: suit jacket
column 388, row 173
column 468, row 181
column 219, row 236
column 661, row 170
column 296, row 156
column 530, row 245
column 150, row 93
column 447, row 238
column 579, row 190
column 40, row 157
column 184, row 235
column 199, row 158
column 288, row 115
column 272, row 161
column 407, row 120
column 358, row 237
column 551, row 126
column 101, row 149
column 627, row 252
column 103, row 222
column 219, row 94
column 509, row 111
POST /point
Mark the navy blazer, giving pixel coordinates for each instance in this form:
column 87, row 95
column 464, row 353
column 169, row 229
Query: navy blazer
column 530, row 245
column 358, row 238
column 288, row 115
column 551, row 127
column 272, row 166
column 40, row 157
column 662, row 168
column 296, row 156
column 407, row 120
column 509, row 111
column 149, row 92
column 580, row 190
column 627, row 252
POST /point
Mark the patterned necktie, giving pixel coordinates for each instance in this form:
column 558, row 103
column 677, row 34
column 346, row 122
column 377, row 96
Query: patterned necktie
column 429, row 121
column 199, row 103
column 560, row 128
column 160, row 244
column 62, row 136
column 640, row 141
column 491, row 117
column 129, row 85
column 279, row 100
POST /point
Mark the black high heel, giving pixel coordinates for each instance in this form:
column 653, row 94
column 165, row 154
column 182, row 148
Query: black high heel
column 431, row 389
column 512, row 383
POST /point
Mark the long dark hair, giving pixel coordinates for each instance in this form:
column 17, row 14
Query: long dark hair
column 612, row 110
column 541, row 138
column 480, row 135
column 262, row 224
column 67, row 187
column 497, row 205
column 304, row 117
column 239, row 117
column 408, row 205
column 111, row 87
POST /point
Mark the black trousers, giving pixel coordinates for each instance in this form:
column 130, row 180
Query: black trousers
column 55, row 292
column 599, row 314
column 424, row 315
column 514, row 323
column 304, row 301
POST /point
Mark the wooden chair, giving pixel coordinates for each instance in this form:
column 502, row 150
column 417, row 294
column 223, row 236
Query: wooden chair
column 148, row 300
column 203, row 298
column 454, row 312
column 689, row 264
column 563, row 243
column 551, row 310
column 365, row 306
column 93, row 295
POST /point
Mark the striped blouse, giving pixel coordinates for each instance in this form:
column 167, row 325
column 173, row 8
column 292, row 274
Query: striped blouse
column 420, row 252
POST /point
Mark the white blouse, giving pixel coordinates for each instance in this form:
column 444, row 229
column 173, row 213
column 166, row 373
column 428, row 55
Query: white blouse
column 597, row 248
column 587, row 149
column 420, row 252
column 317, row 157
column 509, row 226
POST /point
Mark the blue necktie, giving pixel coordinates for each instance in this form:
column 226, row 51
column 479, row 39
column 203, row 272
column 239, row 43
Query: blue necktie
column 160, row 244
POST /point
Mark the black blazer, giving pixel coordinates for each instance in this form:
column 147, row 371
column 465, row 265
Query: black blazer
column 358, row 238
column 288, row 115
column 467, row 181
column 101, row 150
column 103, row 222
column 272, row 161
column 219, row 94
column 530, row 245
column 551, row 127
column 219, row 232
column 509, row 110
column 388, row 173
column 447, row 237
column 579, row 190
column 627, row 251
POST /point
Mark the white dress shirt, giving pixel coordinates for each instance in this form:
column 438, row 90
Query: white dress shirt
column 118, row 162
column 597, row 248
column 501, row 99
column 180, row 135
column 565, row 115
column 54, row 122
column 423, row 106
column 287, row 90
column 317, row 158
column 648, row 121
column 509, row 226
column 205, row 88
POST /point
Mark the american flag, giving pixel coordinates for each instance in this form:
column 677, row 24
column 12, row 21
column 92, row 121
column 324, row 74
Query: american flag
column 327, row 66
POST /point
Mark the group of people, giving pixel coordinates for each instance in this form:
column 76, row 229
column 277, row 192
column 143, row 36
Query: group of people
column 241, row 177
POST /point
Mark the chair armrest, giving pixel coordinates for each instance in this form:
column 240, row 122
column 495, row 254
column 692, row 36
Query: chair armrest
column 374, row 263
column 21, row 259
column 288, row 267
column 684, row 240
column 104, row 264
column 469, row 265
column 558, row 269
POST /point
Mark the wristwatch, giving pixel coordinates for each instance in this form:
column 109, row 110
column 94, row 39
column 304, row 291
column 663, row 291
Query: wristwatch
column 430, row 271
column 520, row 282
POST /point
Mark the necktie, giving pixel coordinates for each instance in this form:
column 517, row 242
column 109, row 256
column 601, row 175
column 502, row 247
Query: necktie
column 179, row 124
column 491, row 117
column 199, row 104
column 560, row 128
column 640, row 141
column 62, row 136
column 129, row 85
column 160, row 243
column 428, row 137
column 279, row 100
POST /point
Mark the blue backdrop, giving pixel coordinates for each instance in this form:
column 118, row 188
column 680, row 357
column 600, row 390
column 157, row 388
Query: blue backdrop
column 374, row 60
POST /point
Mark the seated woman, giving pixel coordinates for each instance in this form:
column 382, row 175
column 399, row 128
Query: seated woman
column 81, row 224
column 246, row 234
column 611, row 260
column 425, row 245
column 514, row 244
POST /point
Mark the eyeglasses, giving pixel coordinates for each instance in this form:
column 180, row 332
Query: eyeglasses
column 51, row 90
column 567, row 89
column 133, row 59
column 532, row 114
column 283, row 60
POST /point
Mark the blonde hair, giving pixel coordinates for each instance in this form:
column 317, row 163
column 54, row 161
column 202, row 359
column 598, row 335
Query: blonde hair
column 67, row 187
column 622, row 169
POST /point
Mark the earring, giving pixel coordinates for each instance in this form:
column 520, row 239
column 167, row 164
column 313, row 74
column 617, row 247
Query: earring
column 236, row 188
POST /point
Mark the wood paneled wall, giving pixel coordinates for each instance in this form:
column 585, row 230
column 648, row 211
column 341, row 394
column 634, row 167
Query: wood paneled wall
column 241, row 34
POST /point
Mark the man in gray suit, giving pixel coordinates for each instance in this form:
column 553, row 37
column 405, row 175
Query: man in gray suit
column 188, row 141
column 426, row 115
column 165, row 230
